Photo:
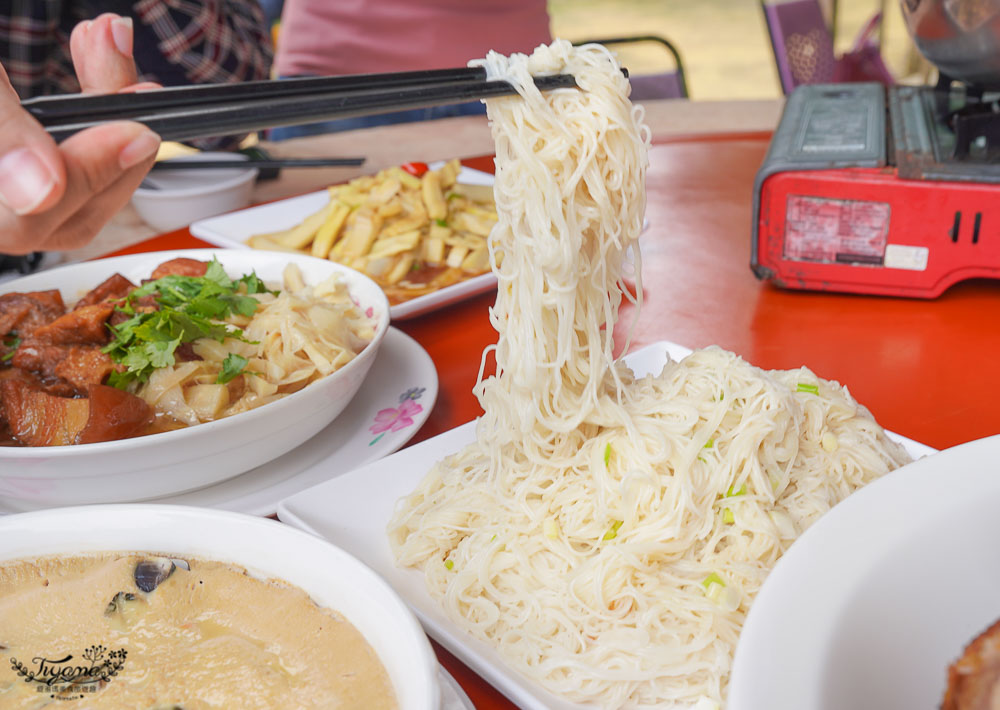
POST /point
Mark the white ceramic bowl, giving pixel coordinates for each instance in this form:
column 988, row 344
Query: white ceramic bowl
column 267, row 549
column 873, row 603
column 185, row 196
column 175, row 461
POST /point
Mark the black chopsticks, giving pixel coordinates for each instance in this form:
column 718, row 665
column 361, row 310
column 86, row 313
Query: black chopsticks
column 271, row 163
column 183, row 113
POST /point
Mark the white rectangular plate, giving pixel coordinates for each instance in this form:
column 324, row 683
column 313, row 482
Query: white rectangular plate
column 233, row 229
column 352, row 511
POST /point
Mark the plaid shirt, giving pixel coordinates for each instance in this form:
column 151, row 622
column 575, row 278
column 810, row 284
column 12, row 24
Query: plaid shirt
column 177, row 42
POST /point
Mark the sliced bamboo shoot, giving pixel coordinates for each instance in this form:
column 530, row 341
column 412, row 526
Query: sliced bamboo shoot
column 299, row 236
column 434, row 251
column 477, row 261
column 330, row 230
column 363, row 230
column 456, row 256
column 437, row 208
column 401, row 269
column 395, row 245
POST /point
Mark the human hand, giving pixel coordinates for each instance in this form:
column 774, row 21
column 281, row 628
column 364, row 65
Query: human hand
column 57, row 197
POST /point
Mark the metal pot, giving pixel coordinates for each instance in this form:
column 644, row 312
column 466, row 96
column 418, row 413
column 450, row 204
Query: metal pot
column 960, row 37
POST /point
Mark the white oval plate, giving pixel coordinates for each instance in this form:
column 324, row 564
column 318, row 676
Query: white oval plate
column 331, row 511
column 401, row 366
column 872, row 604
column 233, row 229
column 453, row 697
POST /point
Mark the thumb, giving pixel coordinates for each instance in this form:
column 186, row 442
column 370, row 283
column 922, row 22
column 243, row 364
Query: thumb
column 32, row 173
column 102, row 54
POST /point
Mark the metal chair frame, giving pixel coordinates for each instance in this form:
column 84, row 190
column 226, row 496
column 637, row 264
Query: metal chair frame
column 666, row 44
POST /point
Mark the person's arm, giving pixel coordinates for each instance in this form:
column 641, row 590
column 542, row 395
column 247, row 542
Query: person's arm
column 57, row 197
column 179, row 42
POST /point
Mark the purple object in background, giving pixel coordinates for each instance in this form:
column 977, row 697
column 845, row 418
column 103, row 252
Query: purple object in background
column 803, row 47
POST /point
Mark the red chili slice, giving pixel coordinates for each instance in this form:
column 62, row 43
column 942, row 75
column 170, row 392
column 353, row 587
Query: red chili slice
column 415, row 169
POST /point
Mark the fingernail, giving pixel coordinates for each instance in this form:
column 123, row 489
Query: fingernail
column 121, row 32
column 142, row 146
column 25, row 181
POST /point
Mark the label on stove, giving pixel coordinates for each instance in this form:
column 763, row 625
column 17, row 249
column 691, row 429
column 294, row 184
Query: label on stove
column 836, row 231
column 900, row 256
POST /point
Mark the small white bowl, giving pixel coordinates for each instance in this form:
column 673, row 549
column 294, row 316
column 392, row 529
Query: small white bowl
column 174, row 461
column 267, row 549
column 185, row 196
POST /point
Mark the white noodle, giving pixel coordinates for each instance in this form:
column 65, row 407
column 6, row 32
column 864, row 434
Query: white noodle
column 294, row 339
column 608, row 534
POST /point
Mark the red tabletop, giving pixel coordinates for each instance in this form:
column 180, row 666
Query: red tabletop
column 922, row 367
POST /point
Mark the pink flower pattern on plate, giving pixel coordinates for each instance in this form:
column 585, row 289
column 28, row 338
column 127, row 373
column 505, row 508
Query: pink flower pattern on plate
column 397, row 418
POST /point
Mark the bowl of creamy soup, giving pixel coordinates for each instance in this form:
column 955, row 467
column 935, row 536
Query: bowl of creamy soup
column 145, row 606
column 142, row 376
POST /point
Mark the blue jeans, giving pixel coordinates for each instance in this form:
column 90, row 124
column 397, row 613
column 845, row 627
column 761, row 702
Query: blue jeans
column 472, row 108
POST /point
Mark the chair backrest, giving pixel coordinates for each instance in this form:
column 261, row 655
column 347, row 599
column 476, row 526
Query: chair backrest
column 662, row 85
column 803, row 46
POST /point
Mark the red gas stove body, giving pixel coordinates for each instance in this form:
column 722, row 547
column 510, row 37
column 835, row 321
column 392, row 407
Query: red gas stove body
column 866, row 230
column 833, row 212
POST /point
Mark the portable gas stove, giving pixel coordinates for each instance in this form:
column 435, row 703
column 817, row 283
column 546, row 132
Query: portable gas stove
column 882, row 191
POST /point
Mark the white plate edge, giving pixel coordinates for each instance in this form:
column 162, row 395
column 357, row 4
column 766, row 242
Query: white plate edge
column 271, row 507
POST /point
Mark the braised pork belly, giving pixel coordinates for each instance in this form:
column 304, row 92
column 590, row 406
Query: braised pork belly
column 52, row 370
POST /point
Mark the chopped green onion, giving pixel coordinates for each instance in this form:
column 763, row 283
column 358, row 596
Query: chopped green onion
column 551, row 529
column 709, row 444
column 804, row 387
column 727, row 516
column 715, row 592
column 712, row 579
column 441, row 222
column 607, row 455
column 494, row 537
column 451, row 196
column 741, row 491
column 448, row 564
column 613, row 532
column 726, row 597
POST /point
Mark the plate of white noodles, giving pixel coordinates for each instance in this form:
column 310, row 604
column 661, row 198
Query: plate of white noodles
column 330, row 511
column 597, row 537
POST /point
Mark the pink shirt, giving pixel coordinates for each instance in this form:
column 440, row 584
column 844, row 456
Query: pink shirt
column 327, row 37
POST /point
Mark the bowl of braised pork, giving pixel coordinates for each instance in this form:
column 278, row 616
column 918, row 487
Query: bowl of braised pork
column 167, row 606
column 141, row 376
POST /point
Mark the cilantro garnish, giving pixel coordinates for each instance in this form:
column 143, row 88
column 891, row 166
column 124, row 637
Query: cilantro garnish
column 254, row 284
column 189, row 308
column 232, row 367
